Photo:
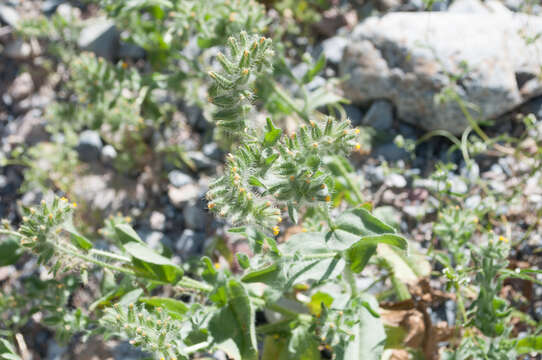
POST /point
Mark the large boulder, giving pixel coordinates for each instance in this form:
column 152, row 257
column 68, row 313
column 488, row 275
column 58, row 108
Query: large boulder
column 408, row 58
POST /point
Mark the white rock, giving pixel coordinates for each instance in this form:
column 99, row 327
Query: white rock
column 405, row 58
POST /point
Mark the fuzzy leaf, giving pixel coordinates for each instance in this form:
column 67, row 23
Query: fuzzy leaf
column 10, row 251
column 318, row 66
column 77, row 239
column 369, row 335
column 235, row 321
column 125, row 233
column 175, row 308
column 529, row 344
column 151, row 265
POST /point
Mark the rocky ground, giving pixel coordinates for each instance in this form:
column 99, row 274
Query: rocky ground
column 396, row 58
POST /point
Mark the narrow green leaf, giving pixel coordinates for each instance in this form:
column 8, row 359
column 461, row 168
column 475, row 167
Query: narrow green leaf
column 318, row 66
column 292, row 212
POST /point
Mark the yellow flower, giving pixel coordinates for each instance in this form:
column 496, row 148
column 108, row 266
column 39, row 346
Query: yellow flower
column 74, row 204
column 276, row 230
column 503, row 239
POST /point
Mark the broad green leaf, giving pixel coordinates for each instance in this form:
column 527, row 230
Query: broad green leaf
column 175, row 308
column 275, row 348
column 243, row 260
column 369, row 335
column 354, row 223
column 315, row 305
column 529, row 344
column 303, row 345
column 359, row 254
column 10, row 251
column 235, row 321
column 408, row 268
column 149, row 264
column 359, row 221
column 126, row 234
column 77, row 239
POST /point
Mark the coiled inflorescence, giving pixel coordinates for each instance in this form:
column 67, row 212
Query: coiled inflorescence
column 42, row 228
column 274, row 171
column 231, row 92
column 154, row 331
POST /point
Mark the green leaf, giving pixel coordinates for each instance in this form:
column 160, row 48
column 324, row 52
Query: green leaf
column 243, row 260
column 359, row 254
column 126, row 234
column 369, row 335
column 318, row 66
column 10, row 251
column 292, row 212
column 315, row 305
column 149, row 264
column 77, row 239
column 529, row 344
column 254, row 181
column 361, row 222
column 352, row 224
column 272, row 134
column 261, row 275
column 303, row 345
column 175, row 308
column 235, row 321
column 130, row 297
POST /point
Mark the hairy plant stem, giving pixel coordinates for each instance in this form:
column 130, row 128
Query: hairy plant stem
column 291, row 103
column 460, row 303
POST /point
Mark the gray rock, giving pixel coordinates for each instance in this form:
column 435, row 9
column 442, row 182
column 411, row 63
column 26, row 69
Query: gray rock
column 396, row 181
column 333, row 48
column 403, row 57
column 18, row 50
column 9, row 15
column 48, row 7
column 130, row 51
column 354, row 114
column 201, row 161
column 178, row 178
column 101, row 37
column 195, row 217
column 108, row 155
column 212, row 151
column 28, row 129
column 21, row 87
column 89, row 146
column 190, row 243
column 179, row 196
column 390, row 152
column 55, row 351
column 379, row 116
column 157, row 221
